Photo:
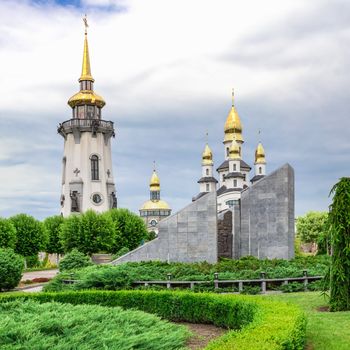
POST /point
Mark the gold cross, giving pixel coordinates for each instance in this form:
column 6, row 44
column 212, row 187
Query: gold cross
column 85, row 23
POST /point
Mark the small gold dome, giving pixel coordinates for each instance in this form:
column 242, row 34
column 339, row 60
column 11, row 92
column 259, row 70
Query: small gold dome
column 234, row 152
column 233, row 126
column 260, row 154
column 207, row 156
column 154, row 183
column 86, row 97
column 155, row 205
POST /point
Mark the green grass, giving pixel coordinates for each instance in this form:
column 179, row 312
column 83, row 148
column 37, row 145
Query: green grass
column 325, row 330
column 31, row 325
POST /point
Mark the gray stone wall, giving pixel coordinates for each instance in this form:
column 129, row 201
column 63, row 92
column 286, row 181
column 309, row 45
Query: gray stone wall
column 267, row 217
column 225, row 234
column 187, row 236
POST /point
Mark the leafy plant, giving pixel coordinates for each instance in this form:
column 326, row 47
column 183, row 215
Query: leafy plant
column 11, row 267
column 8, row 235
column 53, row 227
column 292, row 287
column 339, row 216
column 74, row 260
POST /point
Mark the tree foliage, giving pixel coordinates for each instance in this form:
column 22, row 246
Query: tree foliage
column 11, row 267
column 130, row 230
column 339, row 216
column 8, row 236
column 314, row 228
column 31, row 235
column 53, row 228
column 89, row 233
column 74, row 260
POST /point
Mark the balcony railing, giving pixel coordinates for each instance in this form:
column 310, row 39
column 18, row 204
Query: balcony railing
column 91, row 125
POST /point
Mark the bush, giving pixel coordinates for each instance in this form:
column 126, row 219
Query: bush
column 121, row 252
column 129, row 229
column 53, row 227
column 262, row 323
column 74, row 260
column 89, row 233
column 292, row 287
column 31, row 235
column 32, row 261
column 8, row 235
column 31, row 325
column 11, row 267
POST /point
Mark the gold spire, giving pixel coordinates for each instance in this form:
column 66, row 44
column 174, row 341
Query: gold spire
column 234, row 152
column 260, row 154
column 86, row 69
column 154, row 183
column 233, row 125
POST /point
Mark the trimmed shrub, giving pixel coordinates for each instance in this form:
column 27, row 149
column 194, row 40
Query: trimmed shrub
column 255, row 323
column 74, row 260
column 8, row 235
column 11, row 267
column 31, row 235
column 31, row 325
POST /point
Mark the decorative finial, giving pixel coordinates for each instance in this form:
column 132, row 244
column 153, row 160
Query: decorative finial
column 85, row 23
column 233, row 97
column 206, row 137
column 259, row 134
column 154, row 165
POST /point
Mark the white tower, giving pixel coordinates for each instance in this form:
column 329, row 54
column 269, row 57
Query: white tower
column 207, row 183
column 87, row 176
column 260, row 163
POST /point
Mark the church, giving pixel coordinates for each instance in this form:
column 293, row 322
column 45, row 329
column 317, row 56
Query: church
column 234, row 172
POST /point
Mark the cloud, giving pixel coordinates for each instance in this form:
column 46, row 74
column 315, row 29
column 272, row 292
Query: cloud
column 166, row 69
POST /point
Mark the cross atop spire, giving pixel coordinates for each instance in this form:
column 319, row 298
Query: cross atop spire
column 85, row 23
column 233, row 97
column 86, row 69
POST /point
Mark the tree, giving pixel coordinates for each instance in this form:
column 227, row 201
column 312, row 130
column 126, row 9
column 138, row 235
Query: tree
column 130, row 230
column 53, row 228
column 339, row 218
column 8, row 236
column 11, row 268
column 313, row 228
column 74, row 260
column 89, row 233
column 31, row 235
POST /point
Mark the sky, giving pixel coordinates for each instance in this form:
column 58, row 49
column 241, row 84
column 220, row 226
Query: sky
column 166, row 69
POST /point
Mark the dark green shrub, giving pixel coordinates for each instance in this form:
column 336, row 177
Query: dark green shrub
column 11, row 267
column 316, row 286
column 129, row 229
column 253, row 290
column 31, row 235
column 74, row 260
column 8, row 235
column 121, row 252
column 292, row 287
column 32, row 261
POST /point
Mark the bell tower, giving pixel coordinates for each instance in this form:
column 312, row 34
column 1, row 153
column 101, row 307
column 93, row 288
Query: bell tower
column 87, row 174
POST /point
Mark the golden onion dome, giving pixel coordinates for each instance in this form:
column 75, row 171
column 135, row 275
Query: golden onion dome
column 86, row 97
column 260, row 154
column 154, row 183
column 233, row 126
column 207, row 156
column 155, row 205
column 234, row 152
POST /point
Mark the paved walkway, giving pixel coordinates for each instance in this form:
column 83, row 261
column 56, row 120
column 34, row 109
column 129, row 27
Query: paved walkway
column 38, row 274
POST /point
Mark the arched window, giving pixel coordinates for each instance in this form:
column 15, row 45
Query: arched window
column 234, row 167
column 234, row 183
column 207, row 187
column 207, row 172
column 64, row 163
column 94, row 168
column 227, row 151
column 260, row 170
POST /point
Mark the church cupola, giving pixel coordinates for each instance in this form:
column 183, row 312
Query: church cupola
column 233, row 129
column 260, row 163
column 154, row 186
column 207, row 183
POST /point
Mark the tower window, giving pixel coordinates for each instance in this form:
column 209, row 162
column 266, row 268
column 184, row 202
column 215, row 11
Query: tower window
column 260, row 170
column 207, row 187
column 227, row 151
column 207, row 172
column 94, row 168
column 234, row 183
column 64, row 163
column 90, row 112
column 234, row 167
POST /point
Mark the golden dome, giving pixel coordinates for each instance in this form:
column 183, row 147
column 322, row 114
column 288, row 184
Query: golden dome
column 155, row 205
column 86, row 97
column 207, row 156
column 260, row 154
column 233, row 125
column 234, row 152
column 154, row 183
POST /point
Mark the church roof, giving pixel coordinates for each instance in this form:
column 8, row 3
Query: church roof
column 256, row 178
column 207, row 179
column 234, row 174
column 224, row 165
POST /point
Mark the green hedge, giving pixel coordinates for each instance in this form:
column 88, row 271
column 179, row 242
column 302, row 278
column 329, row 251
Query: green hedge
column 255, row 323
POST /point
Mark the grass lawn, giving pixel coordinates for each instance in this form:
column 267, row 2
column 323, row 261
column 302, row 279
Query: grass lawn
column 325, row 330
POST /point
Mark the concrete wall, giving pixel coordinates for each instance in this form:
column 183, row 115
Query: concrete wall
column 267, row 217
column 187, row 236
